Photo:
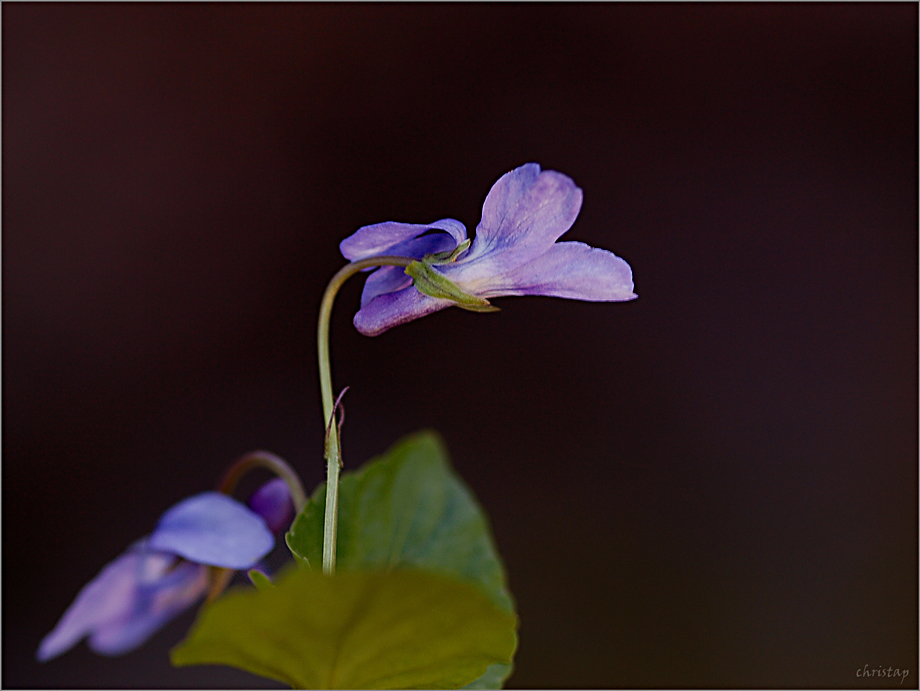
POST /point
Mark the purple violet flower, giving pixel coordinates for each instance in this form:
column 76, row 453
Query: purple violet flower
column 514, row 253
column 166, row 573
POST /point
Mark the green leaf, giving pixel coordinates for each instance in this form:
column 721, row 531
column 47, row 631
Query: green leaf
column 358, row 630
column 407, row 508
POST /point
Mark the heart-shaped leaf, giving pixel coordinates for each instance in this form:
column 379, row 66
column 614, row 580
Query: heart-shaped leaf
column 407, row 508
column 357, row 630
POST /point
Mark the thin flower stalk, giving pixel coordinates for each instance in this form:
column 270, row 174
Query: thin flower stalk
column 333, row 446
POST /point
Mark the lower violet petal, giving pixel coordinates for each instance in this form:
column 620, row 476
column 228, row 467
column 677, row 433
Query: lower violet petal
column 386, row 279
column 127, row 602
column 569, row 270
column 386, row 311
column 109, row 596
column 155, row 604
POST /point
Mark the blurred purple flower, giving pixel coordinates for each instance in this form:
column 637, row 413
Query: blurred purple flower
column 127, row 602
column 162, row 575
column 272, row 501
column 514, row 253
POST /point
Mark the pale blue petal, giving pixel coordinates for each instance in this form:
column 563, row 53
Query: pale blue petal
column 156, row 602
column 272, row 501
column 568, row 270
column 128, row 601
column 393, row 309
column 110, row 595
column 382, row 238
column 212, row 528
column 525, row 212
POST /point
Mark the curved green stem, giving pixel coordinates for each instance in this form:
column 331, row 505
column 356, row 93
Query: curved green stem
column 269, row 461
column 333, row 451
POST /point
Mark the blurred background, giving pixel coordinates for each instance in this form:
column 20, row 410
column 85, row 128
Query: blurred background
column 714, row 485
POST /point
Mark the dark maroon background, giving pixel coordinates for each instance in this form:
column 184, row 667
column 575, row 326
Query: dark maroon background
column 714, row 485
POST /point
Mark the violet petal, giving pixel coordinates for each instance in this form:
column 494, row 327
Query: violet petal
column 418, row 247
column 116, row 608
column 569, row 270
column 108, row 596
column 156, row 602
column 525, row 212
column 387, row 279
column 380, row 238
column 386, row 311
column 212, row 528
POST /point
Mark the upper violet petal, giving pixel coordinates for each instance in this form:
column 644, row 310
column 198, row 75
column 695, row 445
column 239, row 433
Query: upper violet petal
column 507, row 192
column 386, row 311
column 272, row 501
column 452, row 227
column 156, row 602
column 381, row 238
column 416, row 248
column 212, row 528
column 525, row 212
column 569, row 270
column 375, row 239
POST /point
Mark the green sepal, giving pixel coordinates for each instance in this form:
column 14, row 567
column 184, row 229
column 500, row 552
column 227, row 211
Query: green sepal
column 478, row 308
column 259, row 579
column 401, row 629
column 332, row 450
column 428, row 281
column 447, row 256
